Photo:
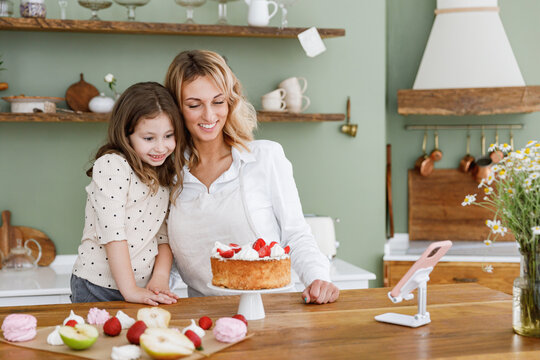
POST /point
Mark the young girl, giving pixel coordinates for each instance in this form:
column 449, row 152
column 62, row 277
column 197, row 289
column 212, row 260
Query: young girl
column 124, row 254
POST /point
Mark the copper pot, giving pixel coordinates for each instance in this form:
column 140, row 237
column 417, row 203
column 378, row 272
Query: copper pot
column 424, row 164
column 496, row 155
column 436, row 154
column 467, row 162
column 483, row 165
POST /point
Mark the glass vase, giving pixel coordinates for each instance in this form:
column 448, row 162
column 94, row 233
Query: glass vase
column 526, row 295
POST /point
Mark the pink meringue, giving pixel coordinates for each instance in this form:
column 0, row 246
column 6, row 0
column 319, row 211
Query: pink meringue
column 229, row 330
column 97, row 316
column 19, row 327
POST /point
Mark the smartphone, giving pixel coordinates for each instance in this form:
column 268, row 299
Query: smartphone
column 428, row 259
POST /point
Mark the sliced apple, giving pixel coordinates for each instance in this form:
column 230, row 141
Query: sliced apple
column 166, row 344
column 79, row 337
column 154, row 317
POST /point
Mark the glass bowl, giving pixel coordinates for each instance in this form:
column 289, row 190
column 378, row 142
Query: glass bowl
column 131, row 5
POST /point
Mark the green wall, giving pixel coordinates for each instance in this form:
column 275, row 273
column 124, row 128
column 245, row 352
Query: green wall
column 409, row 24
column 42, row 165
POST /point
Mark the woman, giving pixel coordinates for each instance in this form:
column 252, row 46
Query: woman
column 235, row 189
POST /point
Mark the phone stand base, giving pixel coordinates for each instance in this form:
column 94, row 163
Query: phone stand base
column 404, row 320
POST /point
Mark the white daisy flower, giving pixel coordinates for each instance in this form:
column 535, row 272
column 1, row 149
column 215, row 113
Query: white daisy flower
column 487, row 268
column 496, row 168
column 488, row 190
column 506, row 148
column 488, row 242
column 109, row 78
column 482, row 183
column 531, row 143
column 518, row 154
column 536, row 230
column 534, row 176
column 469, row 199
column 489, row 179
column 493, row 147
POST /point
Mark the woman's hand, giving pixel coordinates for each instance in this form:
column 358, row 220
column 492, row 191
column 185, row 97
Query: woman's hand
column 320, row 292
column 145, row 296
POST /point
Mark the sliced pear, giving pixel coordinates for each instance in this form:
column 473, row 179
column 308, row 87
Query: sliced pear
column 79, row 337
column 154, row 317
column 166, row 344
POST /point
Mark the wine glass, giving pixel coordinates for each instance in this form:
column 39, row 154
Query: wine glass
column 95, row 5
column 190, row 5
column 284, row 5
column 131, row 5
column 222, row 9
column 63, row 5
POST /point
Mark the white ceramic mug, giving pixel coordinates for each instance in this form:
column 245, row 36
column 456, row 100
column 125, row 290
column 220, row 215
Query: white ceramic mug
column 277, row 94
column 292, row 86
column 273, row 104
column 294, row 103
column 258, row 14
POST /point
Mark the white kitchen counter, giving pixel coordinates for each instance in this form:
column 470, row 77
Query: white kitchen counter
column 399, row 248
column 50, row 284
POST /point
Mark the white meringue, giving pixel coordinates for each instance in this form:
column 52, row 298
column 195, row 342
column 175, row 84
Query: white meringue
column 195, row 328
column 126, row 352
column 125, row 320
column 72, row 316
column 54, row 337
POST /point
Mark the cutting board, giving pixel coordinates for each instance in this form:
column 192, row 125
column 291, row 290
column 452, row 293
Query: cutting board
column 78, row 95
column 9, row 235
column 435, row 211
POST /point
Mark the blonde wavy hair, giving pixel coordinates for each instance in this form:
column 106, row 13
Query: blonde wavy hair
column 146, row 101
column 242, row 118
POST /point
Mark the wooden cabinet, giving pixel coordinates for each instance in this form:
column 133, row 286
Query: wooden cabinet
column 451, row 272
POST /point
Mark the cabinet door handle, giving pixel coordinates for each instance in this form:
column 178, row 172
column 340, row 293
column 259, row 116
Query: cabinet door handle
column 465, row 280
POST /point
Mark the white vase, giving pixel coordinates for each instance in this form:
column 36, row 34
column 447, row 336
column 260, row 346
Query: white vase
column 101, row 104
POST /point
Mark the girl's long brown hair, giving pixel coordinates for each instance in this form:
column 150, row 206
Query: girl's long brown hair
column 146, row 100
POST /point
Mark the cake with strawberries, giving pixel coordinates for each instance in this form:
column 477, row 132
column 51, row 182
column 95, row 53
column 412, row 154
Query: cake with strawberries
column 252, row 266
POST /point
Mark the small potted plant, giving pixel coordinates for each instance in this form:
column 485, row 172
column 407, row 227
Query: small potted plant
column 3, row 85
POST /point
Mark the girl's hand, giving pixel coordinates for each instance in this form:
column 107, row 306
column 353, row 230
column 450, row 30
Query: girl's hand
column 160, row 285
column 320, row 292
column 145, row 296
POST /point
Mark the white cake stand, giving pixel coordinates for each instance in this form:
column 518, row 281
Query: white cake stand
column 251, row 305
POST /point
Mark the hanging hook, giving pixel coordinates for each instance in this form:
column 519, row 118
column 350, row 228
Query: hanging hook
column 348, row 128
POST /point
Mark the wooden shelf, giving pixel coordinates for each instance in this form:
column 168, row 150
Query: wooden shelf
column 130, row 27
column 470, row 101
column 263, row 116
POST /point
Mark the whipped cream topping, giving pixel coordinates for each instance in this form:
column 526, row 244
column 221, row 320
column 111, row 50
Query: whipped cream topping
column 248, row 253
column 195, row 328
column 97, row 316
column 54, row 337
column 72, row 316
column 126, row 352
column 125, row 320
column 277, row 251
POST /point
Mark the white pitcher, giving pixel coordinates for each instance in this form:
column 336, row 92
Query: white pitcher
column 258, row 12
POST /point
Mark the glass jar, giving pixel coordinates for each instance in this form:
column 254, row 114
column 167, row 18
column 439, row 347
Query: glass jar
column 526, row 295
column 33, row 9
column 6, row 8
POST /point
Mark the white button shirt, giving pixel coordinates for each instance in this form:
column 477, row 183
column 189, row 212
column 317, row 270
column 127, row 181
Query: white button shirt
column 273, row 204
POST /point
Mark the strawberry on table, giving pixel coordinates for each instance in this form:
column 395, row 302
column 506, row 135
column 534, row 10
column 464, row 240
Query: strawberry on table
column 195, row 339
column 205, row 322
column 71, row 323
column 241, row 318
column 112, row 327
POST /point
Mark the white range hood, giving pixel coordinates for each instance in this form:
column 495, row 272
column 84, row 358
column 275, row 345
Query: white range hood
column 468, row 48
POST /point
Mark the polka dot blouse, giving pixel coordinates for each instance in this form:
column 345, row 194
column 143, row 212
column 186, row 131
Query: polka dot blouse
column 120, row 207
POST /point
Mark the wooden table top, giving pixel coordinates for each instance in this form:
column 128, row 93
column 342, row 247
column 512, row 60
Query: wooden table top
column 468, row 322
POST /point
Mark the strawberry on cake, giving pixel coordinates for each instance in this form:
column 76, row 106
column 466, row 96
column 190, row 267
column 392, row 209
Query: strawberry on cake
column 252, row 266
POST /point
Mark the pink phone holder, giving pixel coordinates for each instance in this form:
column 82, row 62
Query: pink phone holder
column 416, row 277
